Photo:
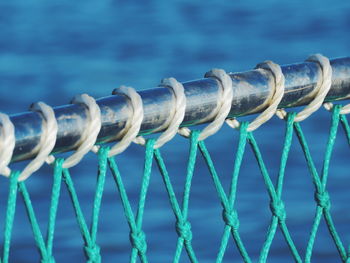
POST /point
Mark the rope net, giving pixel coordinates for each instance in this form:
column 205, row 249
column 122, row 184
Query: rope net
column 184, row 246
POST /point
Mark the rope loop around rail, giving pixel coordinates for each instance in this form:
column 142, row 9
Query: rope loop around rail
column 223, row 106
column 323, row 86
column 178, row 111
column 176, row 116
column 133, row 124
column 278, row 88
column 89, row 136
column 7, row 143
column 47, row 139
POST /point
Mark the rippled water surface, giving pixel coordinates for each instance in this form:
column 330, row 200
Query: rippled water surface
column 51, row 51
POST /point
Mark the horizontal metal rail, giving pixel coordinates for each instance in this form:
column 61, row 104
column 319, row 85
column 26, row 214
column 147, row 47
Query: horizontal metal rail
column 252, row 93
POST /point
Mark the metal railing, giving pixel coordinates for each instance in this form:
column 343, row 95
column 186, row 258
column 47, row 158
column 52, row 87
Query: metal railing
column 252, row 94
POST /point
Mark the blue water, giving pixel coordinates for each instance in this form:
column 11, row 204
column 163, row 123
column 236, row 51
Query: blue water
column 51, row 51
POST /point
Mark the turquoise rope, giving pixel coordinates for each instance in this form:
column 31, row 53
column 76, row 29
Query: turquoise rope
column 137, row 236
column 183, row 226
column 321, row 194
column 229, row 214
column 92, row 250
column 45, row 249
column 10, row 214
column 346, row 128
column 35, row 226
column 56, row 188
column 102, row 170
column 279, row 215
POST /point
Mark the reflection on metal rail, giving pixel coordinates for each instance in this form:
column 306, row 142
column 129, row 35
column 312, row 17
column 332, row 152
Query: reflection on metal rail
column 252, row 92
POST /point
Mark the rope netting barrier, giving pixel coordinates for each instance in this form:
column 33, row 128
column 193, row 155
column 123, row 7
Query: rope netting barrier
column 108, row 166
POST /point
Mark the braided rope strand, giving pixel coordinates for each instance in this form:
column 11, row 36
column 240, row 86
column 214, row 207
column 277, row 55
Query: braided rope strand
column 323, row 87
column 176, row 116
column 47, row 140
column 88, row 138
column 178, row 111
column 133, row 126
column 223, row 108
column 7, row 143
column 268, row 113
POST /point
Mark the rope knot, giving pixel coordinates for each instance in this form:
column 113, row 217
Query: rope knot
column 93, row 253
column 138, row 240
column 48, row 259
column 322, row 199
column 183, row 228
column 278, row 210
column 230, row 217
